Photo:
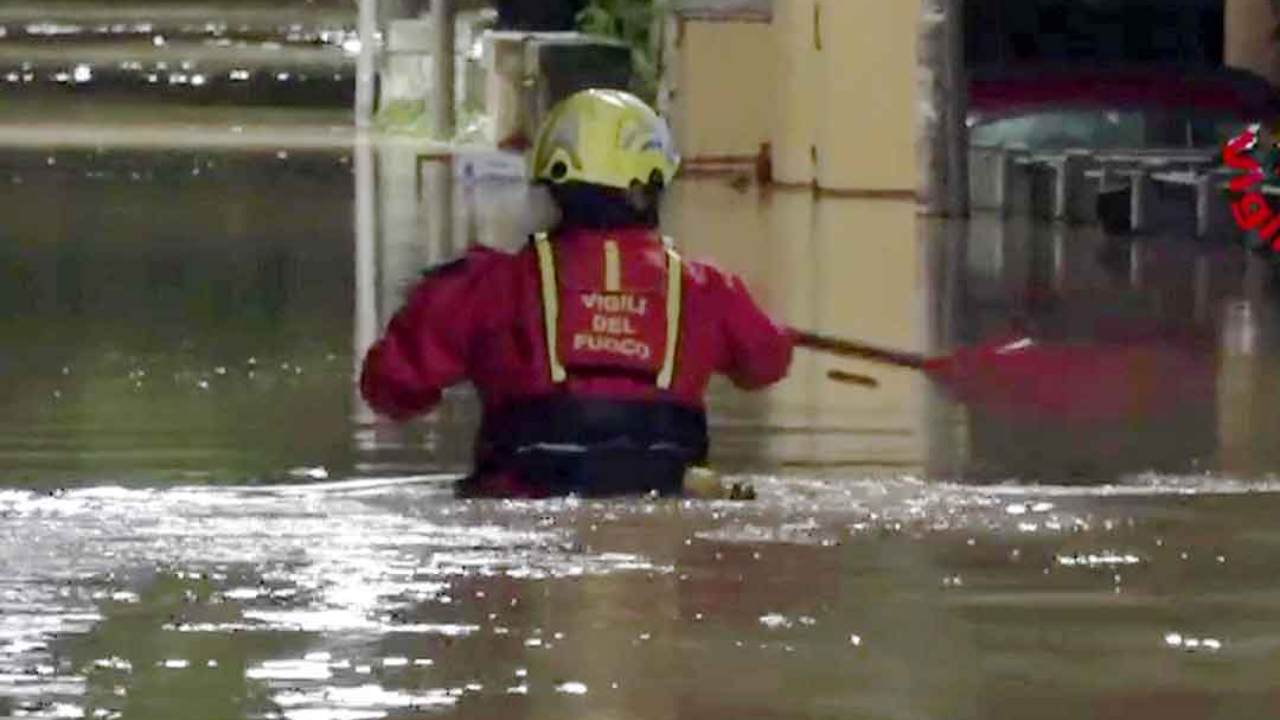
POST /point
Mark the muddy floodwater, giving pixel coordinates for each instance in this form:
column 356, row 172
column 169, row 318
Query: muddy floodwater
column 199, row 518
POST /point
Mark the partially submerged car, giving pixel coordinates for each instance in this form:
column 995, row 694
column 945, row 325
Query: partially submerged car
column 1053, row 108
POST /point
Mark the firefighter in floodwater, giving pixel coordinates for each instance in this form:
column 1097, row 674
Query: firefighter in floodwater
column 592, row 347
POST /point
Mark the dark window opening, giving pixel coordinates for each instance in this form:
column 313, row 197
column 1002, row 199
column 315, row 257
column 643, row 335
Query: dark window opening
column 1008, row 32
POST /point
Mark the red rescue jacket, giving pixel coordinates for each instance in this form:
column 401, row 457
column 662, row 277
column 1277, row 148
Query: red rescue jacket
column 610, row 330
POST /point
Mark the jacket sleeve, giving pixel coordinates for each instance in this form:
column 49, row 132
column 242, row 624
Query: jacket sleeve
column 758, row 349
column 425, row 347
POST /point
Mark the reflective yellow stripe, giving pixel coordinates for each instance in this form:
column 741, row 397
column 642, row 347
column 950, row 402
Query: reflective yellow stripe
column 550, row 304
column 675, row 286
column 612, row 267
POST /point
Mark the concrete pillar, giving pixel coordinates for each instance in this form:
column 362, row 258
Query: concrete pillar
column 443, row 108
column 405, row 73
column 794, row 105
column 1072, row 192
column 1011, row 184
column 867, row 94
column 504, row 85
column 1249, row 42
column 366, row 63
column 991, row 172
column 1212, row 209
column 1018, row 183
column 942, row 145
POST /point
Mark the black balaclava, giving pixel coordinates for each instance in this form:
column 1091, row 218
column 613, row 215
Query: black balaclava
column 596, row 207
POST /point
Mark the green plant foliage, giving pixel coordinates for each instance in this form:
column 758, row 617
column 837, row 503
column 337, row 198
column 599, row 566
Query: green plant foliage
column 404, row 117
column 632, row 22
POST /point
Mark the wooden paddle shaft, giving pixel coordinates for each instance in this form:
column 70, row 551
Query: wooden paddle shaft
column 854, row 349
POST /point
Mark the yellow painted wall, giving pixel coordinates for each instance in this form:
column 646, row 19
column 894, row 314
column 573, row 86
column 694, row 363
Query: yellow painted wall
column 723, row 81
column 867, row 90
column 835, row 76
column 1249, row 42
column 794, row 112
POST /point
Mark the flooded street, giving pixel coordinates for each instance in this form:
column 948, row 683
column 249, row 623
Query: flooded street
column 200, row 519
column 199, row 507
column 853, row 598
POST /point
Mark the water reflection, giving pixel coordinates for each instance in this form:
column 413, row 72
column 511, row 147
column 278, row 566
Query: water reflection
column 156, row 299
column 185, row 317
column 851, row 267
column 367, row 599
column 201, row 314
column 112, row 59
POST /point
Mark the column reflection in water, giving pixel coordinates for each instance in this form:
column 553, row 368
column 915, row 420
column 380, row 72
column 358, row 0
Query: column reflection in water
column 1203, row 275
column 367, row 323
column 945, row 257
column 1236, row 368
column 1248, row 376
column 412, row 214
column 791, row 250
column 998, row 267
column 388, row 256
column 711, row 220
column 1136, row 311
column 868, row 264
column 436, row 211
column 843, row 266
column 408, row 227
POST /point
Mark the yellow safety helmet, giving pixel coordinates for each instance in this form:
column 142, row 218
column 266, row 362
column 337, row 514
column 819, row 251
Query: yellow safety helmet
column 604, row 137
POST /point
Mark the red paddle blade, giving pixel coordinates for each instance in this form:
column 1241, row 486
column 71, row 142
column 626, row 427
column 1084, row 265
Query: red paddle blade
column 1087, row 381
column 967, row 362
